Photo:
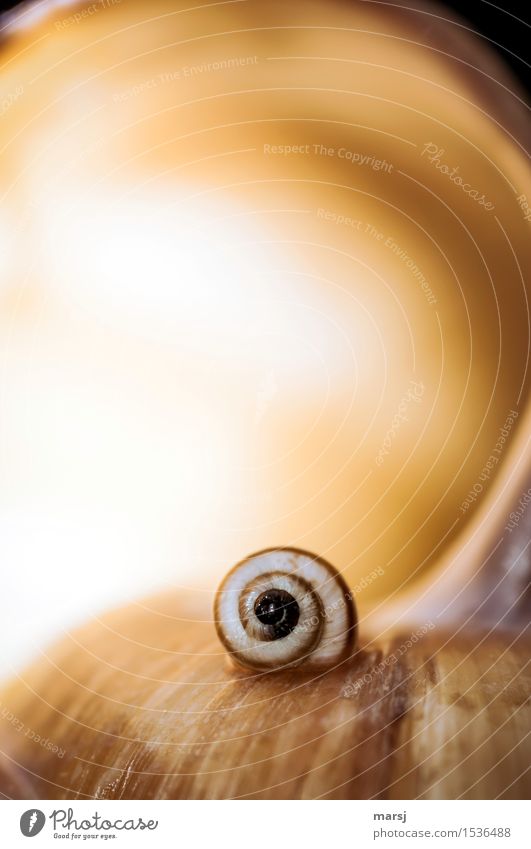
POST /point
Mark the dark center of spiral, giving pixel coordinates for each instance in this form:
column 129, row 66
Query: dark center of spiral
column 278, row 611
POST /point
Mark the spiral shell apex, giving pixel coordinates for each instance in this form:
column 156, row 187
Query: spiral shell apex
column 285, row 607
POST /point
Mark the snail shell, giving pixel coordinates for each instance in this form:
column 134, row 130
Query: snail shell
column 136, row 700
column 284, row 607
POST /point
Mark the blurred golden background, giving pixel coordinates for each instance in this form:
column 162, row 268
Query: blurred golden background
column 262, row 283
